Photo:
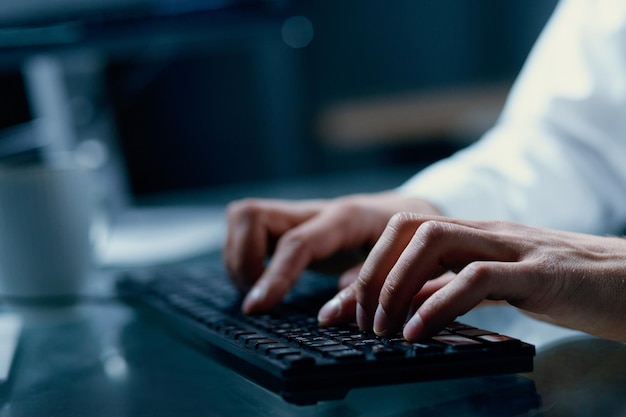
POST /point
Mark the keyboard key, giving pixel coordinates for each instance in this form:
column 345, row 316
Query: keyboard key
column 498, row 339
column 267, row 347
column 331, row 348
column 456, row 326
column 240, row 333
column 298, row 360
column 424, row 348
column 346, row 354
column 246, row 339
column 458, row 342
column 383, row 351
column 322, row 343
column 473, row 332
column 364, row 344
column 282, row 352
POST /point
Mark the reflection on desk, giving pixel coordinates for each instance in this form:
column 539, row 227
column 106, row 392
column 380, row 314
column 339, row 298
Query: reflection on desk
column 583, row 376
column 99, row 358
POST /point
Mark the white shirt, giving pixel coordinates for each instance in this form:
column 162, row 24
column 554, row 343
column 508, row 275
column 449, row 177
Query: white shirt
column 557, row 155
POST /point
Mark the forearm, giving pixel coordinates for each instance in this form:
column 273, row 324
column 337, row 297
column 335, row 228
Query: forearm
column 540, row 182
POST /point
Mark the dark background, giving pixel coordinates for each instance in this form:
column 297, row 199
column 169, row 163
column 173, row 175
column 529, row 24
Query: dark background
column 200, row 98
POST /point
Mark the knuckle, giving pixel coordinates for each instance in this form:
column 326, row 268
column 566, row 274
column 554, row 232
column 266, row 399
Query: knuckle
column 431, row 231
column 346, row 211
column 294, row 240
column 477, row 274
column 403, row 220
column 349, row 210
column 547, row 262
column 354, row 212
column 349, row 203
column 243, row 210
column 387, row 295
column 400, row 219
column 362, row 282
column 361, row 286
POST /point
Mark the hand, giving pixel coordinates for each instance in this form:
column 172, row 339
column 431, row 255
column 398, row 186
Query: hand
column 570, row 279
column 299, row 234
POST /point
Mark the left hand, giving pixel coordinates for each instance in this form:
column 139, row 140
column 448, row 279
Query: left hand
column 304, row 234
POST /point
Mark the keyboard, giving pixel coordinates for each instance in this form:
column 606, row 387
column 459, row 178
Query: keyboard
column 288, row 353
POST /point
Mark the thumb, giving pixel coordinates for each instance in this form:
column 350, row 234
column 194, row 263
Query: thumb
column 340, row 309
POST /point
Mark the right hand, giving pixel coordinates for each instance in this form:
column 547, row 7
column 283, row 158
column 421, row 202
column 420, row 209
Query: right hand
column 298, row 234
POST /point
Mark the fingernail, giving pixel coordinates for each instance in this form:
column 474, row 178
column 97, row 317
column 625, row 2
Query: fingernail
column 414, row 328
column 254, row 297
column 329, row 311
column 380, row 321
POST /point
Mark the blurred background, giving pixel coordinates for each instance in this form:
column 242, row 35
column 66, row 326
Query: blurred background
column 171, row 95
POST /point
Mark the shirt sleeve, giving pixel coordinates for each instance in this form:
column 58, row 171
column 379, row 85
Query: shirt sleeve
column 557, row 155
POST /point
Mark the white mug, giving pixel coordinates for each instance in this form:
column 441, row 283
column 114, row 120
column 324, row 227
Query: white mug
column 46, row 215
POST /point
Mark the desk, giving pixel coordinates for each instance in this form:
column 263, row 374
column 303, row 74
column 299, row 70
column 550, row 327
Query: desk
column 102, row 358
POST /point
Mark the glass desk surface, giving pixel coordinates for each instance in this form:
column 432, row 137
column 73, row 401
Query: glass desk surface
column 101, row 358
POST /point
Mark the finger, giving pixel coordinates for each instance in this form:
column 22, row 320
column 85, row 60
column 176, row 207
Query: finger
column 429, row 288
column 245, row 249
column 252, row 224
column 392, row 243
column 340, row 309
column 379, row 262
column 475, row 283
column 436, row 246
column 315, row 239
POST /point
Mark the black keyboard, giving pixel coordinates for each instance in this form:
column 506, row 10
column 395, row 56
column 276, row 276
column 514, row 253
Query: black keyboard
column 287, row 352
